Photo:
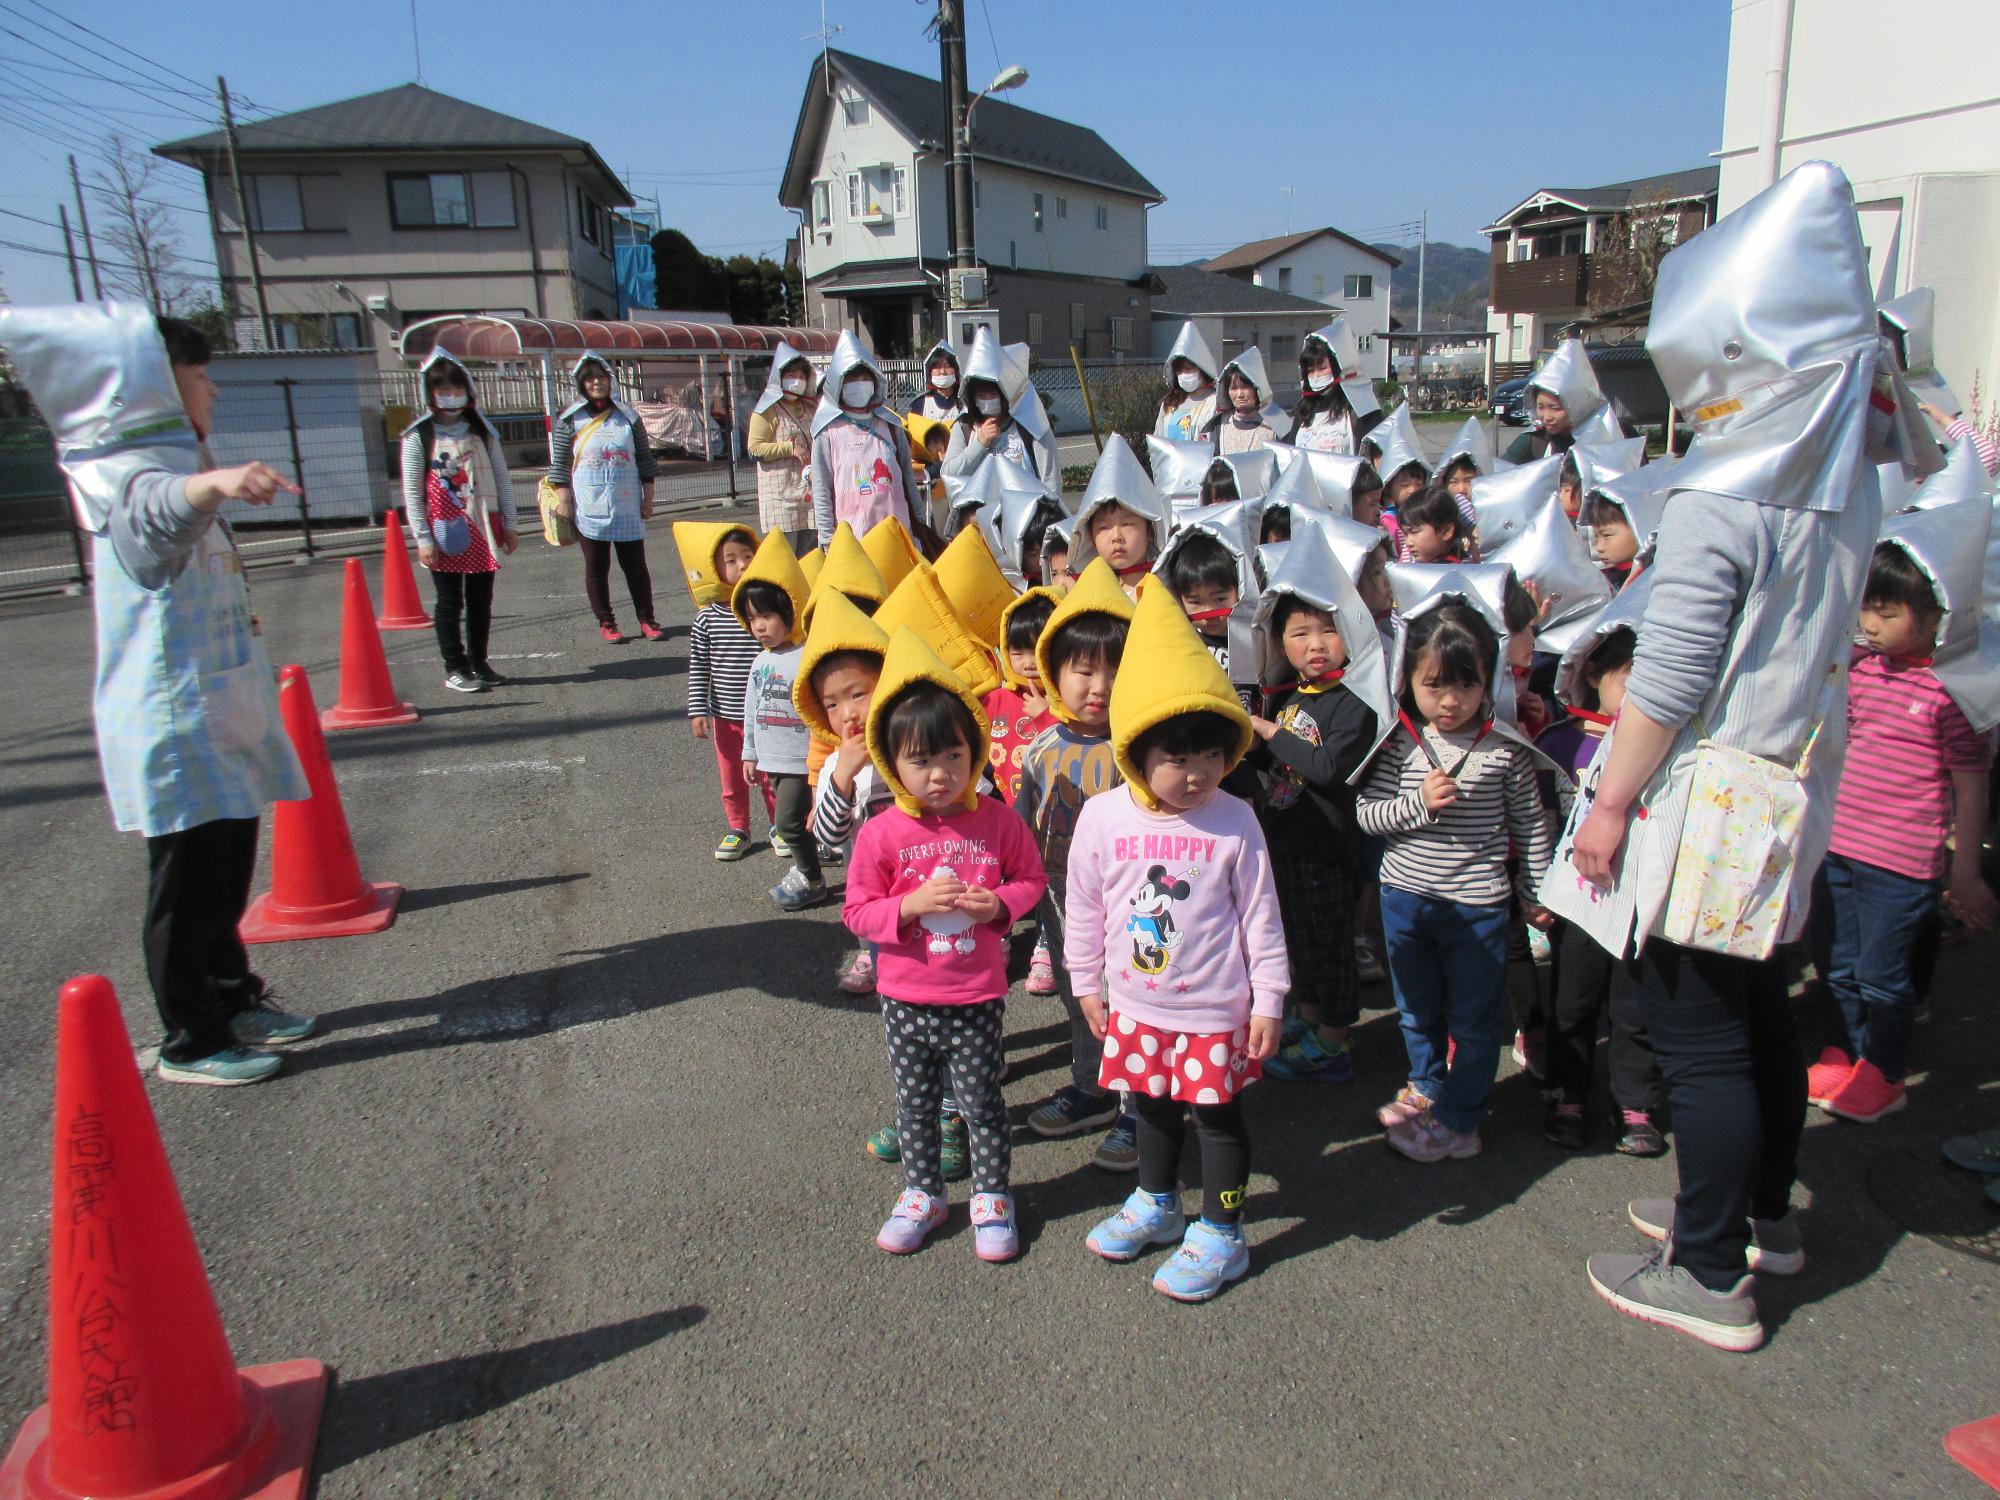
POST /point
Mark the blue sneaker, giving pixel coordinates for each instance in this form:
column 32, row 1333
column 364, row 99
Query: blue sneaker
column 1309, row 1057
column 229, row 1068
column 1296, row 1030
column 1207, row 1261
column 1070, row 1111
column 262, row 1024
column 1142, row 1222
column 796, row 893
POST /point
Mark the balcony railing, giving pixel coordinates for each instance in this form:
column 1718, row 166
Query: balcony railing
column 1554, row 283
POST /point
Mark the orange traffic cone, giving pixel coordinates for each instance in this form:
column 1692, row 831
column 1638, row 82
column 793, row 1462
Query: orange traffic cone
column 367, row 697
column 401, row 608
column 144, row 1395
column 316, row 885
column 1977, row 1446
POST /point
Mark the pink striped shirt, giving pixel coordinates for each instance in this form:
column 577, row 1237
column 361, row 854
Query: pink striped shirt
column 1905, row 738
column 1989, row 455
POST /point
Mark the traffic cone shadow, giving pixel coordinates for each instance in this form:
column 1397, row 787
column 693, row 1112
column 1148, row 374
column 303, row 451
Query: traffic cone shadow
column 401, row 607
column 145, row 1398
column 367, row 697
column 316, row 885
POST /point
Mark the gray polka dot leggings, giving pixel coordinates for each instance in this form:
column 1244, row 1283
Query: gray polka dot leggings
column 931, row 1046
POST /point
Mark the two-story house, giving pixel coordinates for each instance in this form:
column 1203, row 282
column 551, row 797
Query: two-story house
column 377, row 212
column 1567, row 255
column 1059, row 218
column 1326, row 266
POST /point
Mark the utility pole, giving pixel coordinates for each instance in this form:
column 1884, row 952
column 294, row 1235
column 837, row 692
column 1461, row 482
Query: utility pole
column 242, row 212
column 69, row 250
column 83, row 219
column 951, row 48
column 1423, row 242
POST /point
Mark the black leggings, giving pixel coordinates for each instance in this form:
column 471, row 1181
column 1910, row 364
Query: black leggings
column 1587, row 982
column 597, row 577
column 199, row 885
column 470, row 595
column 1225, row 1151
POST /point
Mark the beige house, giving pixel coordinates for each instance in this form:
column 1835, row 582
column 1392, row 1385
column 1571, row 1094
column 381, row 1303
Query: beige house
column 378, row 212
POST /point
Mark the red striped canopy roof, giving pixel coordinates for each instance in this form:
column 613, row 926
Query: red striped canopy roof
column 480, row 338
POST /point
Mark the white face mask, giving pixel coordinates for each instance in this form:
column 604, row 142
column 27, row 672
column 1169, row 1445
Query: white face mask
column 1320, row 382
column 449, row 403
column 989, row 406
column 1190, row 380
column 857, row 393
column 794, row 385
column 944, row 380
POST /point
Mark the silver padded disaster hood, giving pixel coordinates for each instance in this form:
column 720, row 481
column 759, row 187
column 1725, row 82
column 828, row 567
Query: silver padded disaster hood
column 576, row 379
column 1567, row 375
column 1551, row 557
column 1339, row 340
column 1297, row 486
column 1310, row 571
column 1400, row 450
column 986, row 486
column 848, row 356
column 1948, row 544
column 1178, row 467
column 1625, row 611
column 1007, row 367
column 774, row 390
column 1506, row 502
column 1191, row 346
column 1234, row 524
column 1117, row 478
column 1006, row 523
column 1910, row 320
column 1598, row 462
column 1642, row 496
column 1470, row 441
column 1250, row 365
column 1420, row 587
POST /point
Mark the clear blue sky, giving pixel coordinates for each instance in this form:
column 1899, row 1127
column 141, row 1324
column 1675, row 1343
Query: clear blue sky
column 1371, row 113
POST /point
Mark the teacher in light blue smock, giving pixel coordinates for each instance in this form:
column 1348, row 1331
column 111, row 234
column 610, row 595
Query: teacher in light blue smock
column 602, row 467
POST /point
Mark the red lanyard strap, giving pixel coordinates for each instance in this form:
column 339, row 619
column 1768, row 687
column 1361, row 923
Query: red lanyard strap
column 1431, row 755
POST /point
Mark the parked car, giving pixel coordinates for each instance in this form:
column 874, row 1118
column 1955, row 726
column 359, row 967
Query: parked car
column 1510, row 402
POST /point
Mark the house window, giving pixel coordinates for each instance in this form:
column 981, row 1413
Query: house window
column 451, row 200
column 1038, row 213
column 1319, row 284
column 288, row 203
column 1284, row 278
column 1357, row 288
column 1076, row 320
column 1121, row 333
column 1524, row 250
column 592, row 220
column 855, row 201
column 1034, row 328
column 822, row 205
column 975, row 192
column 854, row 110
column 1284, row 346
column 317, row 330
column 1062, row 206
column 1103, row 217
column 900, row 191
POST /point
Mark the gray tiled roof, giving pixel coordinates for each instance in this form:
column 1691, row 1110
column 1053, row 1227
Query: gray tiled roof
column 1695, row 182
column 1189, row 291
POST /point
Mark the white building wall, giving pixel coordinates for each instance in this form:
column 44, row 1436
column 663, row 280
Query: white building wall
column 846, row 238
column 1919, row 139
column 1319, row 271
column 1004, row 222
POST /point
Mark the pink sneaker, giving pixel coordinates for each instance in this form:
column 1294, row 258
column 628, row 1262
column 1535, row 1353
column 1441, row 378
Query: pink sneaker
column 1426, row 1138
column 911, row 1221
column 1407, row 1105
column 994, row 1237
column 857, row 975
column 1531, row 1052
column 1866, row 1096
column 1824, row 1078
column 1041, row 973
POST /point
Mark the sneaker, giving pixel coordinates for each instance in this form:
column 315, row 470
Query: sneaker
column 610, row 631
column 796, row 893
column 1119, row 1150
column 262, row 1024
column 1071, row 1111
column 1978, row 1152
column 1367, row 967
column 953, row 1159
column 857, row 975
column 1540, row 951
column 1866, row 1096
column 1142, row 1221
column 1291, row 1032
column 911, row 1221
column 884, row 1146
column 651, row 631
column 1309, row 1057
column 1208, row 1260
column 1638, row 1135
column 1531, row 1052
column 780, row 845
column 1407, row 1105
column 735, row 844
column 994, row 1237
column 463, row 682
column 1653, row 1289
column 1776, row 1248
column 1426, row 1138
column 229, row 1068
column 830, row 854
column 485, row 673
column 1564, row 1124
column 1824, row 1078
column 1041, row 972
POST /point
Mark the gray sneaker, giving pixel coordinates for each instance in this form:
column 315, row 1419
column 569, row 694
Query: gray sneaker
column 796, row 893
column 1653, row 1289
column 463, row 682
column 1776, row 1248
column 229, row 1068
column 1978, row 1152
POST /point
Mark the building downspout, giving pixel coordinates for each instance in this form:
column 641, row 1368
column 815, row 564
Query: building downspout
column 1775, row 71
column 534, row 241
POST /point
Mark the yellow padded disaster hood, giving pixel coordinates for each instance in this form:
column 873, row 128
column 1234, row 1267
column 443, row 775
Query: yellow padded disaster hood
column 1166, row 670
column 810, row 565
column 889, row 547
column 774, row 563
column 919, row 604
column 837, row 626
column 1097, row 591
column 846, row 570
column 1039, row 591
column 910, row 661
column 972, row 580
column 698, row 542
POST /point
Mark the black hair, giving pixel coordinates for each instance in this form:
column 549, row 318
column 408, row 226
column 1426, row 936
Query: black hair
column 1218, row 484
column 762, row 597
column 1608, row 655
column 943, row 356
column 1027, row 620
column 186, row 344
column 1450, row 470
column 1175, row 395
column 1187, row 734
column 1569, row 473
column 1046, row 514
column 1463, row 642
column 1433, row 505
column 834, row 661
column 926, row 719
column 1290, row 604
column 1366, row 478
column 1201, row 562
column 736, row 534
column 1312, row 403
column 1518, row 609
column 979, row 386
column 862, row 602
column 1277, row 525
column 1088, row 639
column 1054, row 541
column 1594, row 502
column 1894, row 578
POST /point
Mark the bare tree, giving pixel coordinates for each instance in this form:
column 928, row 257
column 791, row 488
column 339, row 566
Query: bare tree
column 1630, row 246
column 143, row 248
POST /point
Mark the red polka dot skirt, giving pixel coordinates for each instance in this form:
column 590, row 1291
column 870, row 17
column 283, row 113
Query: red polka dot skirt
column 1193, row 1069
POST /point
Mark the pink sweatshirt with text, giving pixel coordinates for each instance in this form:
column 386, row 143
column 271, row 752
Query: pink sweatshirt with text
column 947, row 959
column 1174, row 914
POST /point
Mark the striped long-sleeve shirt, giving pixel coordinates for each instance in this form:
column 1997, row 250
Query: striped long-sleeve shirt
column 720, row 652
column 1458, row 853
column 1989, row 454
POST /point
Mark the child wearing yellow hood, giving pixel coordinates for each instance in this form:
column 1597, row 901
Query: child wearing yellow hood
column 936, row 883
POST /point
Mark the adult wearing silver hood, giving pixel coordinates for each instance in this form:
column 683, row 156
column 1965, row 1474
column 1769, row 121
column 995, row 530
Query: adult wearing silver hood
column 1566, row 395
column 1246, row 415
column 1188, row 403
column 603, row 469
column 1003, row 415
column 1764, row 331
column 189, row 735
column 860, row 455
column 942, row 398
column 780, row 439
column 458, row 502
column 1336, row 398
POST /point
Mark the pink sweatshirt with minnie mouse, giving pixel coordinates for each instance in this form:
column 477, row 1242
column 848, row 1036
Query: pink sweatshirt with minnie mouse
column 946, row 959
column 1174, row 914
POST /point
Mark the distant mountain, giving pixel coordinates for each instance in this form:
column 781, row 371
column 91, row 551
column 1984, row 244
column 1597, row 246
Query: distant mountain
column 1455, row 285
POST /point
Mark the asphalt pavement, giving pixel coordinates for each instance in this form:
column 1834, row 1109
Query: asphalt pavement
column 572, row 1191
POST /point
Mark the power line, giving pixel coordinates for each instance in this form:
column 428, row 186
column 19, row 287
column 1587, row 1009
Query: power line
column 120, row 265
column 199, row 87
column 63, row 57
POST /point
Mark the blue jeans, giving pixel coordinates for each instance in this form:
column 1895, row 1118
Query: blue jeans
column 1448, row 964
column 1866, row 921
